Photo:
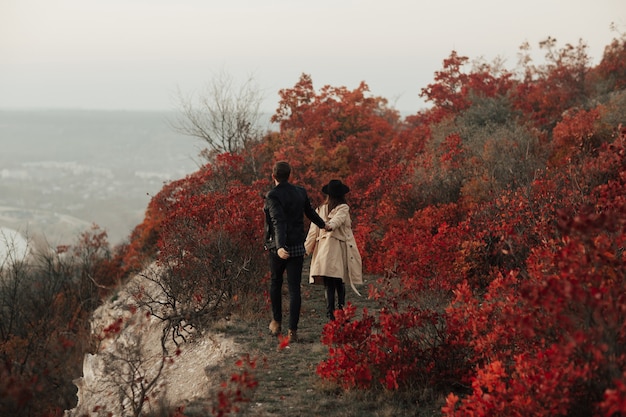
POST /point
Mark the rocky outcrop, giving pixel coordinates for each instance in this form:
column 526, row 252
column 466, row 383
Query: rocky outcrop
column 130, row 370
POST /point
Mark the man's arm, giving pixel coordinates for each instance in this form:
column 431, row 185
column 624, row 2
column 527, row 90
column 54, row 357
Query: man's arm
column 312, row 214
column 311, row 238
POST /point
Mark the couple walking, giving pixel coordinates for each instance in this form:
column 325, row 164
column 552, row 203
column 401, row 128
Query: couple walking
column 335, row 256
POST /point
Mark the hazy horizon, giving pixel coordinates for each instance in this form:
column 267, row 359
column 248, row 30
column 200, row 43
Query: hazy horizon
column 62, row 170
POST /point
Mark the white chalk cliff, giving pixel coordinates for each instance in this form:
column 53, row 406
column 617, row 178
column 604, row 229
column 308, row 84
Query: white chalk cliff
column 128, row 364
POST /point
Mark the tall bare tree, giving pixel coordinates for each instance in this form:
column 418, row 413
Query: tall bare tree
column 224, row 115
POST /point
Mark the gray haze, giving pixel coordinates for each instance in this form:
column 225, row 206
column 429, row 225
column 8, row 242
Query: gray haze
column 134, row 54
column 61, row 171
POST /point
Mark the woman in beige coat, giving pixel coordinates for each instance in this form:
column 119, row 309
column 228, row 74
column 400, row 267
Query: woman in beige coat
column 336, row 259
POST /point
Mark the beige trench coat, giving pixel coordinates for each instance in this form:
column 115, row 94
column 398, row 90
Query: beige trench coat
column 335, row 253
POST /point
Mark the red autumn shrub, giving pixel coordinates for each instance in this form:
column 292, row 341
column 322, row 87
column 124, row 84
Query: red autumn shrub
column 210, row 246
column 574, row 136
column 397, row 349
column 549, row 339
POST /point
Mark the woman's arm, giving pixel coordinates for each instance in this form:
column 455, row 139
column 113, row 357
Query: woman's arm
column 339, row 216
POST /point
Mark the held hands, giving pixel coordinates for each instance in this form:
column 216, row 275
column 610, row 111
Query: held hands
column 328, row 227
column 282, row 253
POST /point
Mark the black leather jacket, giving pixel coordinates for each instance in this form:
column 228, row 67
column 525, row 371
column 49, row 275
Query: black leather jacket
column 285, row 208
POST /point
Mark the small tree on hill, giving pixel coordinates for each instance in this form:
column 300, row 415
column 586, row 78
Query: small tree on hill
column 224, row 116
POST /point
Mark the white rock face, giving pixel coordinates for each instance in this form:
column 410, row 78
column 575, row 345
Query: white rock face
column 13, row 246
column 107, row 374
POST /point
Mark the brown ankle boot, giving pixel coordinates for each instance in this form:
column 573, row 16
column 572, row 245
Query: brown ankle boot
column 275, row 328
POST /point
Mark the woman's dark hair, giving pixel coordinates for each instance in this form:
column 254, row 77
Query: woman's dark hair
column 334, row 201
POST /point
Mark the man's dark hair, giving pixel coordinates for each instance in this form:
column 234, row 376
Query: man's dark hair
column 281, row 171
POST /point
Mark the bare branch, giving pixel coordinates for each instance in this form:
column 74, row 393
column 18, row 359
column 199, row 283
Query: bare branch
column 224, row 116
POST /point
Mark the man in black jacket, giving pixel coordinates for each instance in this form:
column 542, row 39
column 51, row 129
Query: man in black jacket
column 285, row 207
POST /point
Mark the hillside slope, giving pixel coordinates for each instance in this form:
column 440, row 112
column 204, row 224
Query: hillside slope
column 194, row 374
column 128, row 356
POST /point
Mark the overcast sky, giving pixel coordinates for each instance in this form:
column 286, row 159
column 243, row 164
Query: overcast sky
column 134, row 54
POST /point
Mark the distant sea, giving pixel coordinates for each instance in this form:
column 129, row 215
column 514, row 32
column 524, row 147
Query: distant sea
column 63, row 170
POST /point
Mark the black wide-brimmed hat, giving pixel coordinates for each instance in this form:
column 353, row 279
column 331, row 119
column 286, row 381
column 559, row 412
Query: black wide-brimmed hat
column 335, row 188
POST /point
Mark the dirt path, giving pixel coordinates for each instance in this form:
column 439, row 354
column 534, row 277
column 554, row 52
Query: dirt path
column 288, row 383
